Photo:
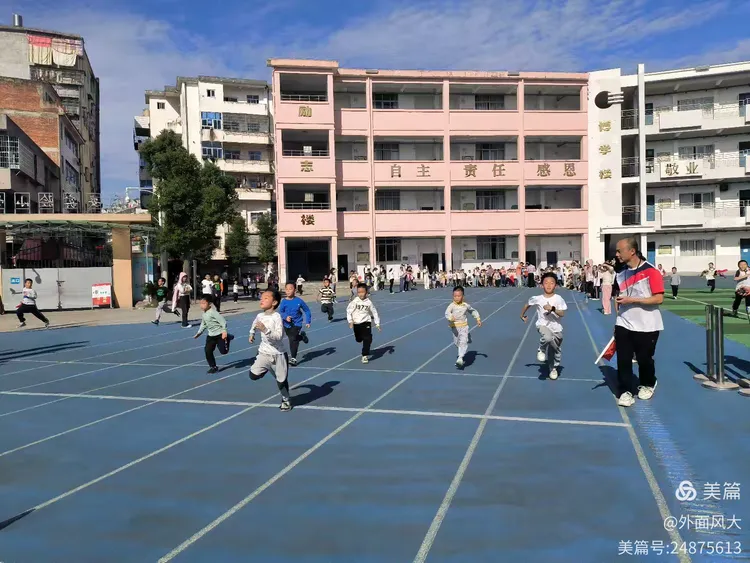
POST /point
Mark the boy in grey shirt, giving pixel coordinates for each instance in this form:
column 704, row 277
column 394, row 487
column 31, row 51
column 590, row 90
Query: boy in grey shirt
column 674, row 281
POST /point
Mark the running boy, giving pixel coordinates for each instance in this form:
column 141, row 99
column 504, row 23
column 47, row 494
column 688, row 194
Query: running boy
column 217, row 332
column 292, row 309
column 360, row 314
column 274, row 346
column 457, row 315
column 550, row 309
column 326, row 296
column 28, row 305
column 162, row 303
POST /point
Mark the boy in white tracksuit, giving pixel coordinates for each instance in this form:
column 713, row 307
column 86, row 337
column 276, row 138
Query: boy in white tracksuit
column 360, row 314
column 457, row 315
column 550, row 309
column 273, row 352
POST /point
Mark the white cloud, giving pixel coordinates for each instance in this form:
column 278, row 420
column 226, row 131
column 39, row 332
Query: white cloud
column 131, row 53
column 502, row 34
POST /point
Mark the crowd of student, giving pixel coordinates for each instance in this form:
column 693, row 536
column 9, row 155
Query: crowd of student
column 636, row 286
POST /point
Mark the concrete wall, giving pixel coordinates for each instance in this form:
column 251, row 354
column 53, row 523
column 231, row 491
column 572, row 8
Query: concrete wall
column 14, row 55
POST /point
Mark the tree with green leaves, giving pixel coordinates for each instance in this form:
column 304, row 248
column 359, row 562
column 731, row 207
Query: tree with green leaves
column 236, row 243
column 191, row 199
column 267, row 238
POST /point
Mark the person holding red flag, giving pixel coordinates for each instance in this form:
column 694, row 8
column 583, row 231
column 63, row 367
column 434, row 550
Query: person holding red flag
column 638, row 322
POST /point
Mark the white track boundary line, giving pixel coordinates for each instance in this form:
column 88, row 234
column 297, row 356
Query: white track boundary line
column 438, row 414
column 661, row 501
column 248, row 499
column 437, row 521
column 462, row 374
column 161, row 372
column 154, row 336
column 204, row 429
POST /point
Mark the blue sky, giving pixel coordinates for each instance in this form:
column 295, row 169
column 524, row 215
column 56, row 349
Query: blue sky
column 139, row 44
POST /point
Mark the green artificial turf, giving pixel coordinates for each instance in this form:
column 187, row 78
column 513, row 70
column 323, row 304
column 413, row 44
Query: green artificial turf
column 691, row 304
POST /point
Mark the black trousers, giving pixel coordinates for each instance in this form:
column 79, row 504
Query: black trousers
column 738, row 299
column 30, row 309
column 642, row 345
column 184, row 304
column 712, row 285
column 292, row 333
column 675, row 289
column 328, row 309
column 363, row 334
column 212, row 342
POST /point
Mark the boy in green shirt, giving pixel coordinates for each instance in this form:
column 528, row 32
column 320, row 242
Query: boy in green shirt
column 217, row 332
column 162, row 300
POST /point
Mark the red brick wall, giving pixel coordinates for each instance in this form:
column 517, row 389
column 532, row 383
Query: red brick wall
column 24, row 102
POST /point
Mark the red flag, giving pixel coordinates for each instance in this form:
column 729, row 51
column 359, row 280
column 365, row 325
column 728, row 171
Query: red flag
column 609, row 351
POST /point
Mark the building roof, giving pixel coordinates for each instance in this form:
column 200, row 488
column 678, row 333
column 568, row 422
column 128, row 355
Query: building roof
column 52, row 92
column 14, row 29
column 193, row 80
column 316, row 65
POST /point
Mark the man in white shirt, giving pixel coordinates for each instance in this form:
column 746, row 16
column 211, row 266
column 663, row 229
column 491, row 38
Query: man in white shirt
column 638, row 322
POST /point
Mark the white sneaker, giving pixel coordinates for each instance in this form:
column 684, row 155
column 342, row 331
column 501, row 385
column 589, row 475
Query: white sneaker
column 645, row 393
column 626, row 399
column 23, row 324
column 460, row 363
column 540, row 356
column 553, row 373
column 365, row 359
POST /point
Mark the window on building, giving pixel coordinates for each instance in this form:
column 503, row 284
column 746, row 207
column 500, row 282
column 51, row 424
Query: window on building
column 487, row 200
column 489, row 102
column 695, row 103
column 490, row 248
column 255, row 216
column 72, row 176
column 385, row 101
column 388, row 249
column 160, row 105
column 255, row 155
column 490, row 151
column 386, row 151
column 211, row 120
column 71, row 143
column 211, row 149
column 9, row 157
column 230, row 99
column 695, row 152
column 211, row 93
column 697, row 200
column 253, row 99
column 698, row 247
column 232, row 154
column 387, row 200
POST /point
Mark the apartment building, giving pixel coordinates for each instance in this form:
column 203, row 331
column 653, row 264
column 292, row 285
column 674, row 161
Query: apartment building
column 669, row 154
column 226, row 121
column 60, row 59
column 29, row 178
column 431, row 168
column 39, row 122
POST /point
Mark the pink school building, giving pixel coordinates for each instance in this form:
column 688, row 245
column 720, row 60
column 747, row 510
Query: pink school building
column 429, row 168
